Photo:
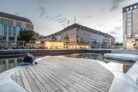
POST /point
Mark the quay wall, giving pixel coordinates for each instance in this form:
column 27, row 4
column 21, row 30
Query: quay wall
column 22, row 52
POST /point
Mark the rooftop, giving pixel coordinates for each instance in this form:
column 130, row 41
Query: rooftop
column 81, row 27
column 6, row 15
column 132, row 5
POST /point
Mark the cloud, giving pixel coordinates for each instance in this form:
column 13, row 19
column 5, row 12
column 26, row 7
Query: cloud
column 55, row 17
column 102, row 9
column 100, row 25
column 116, row 31
column 46, row 17
column 115, row 4
column 42, row 6
column 60, row 19
column 88, row 16
column 18, row 13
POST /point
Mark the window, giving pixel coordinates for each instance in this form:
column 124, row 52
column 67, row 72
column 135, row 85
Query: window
column 135, row 6
column 14, row 31
column 9, row 30
column 127, row 9
column 9, row 22
column 129, row 15
column 131, row 8
column 2, row 21
column 5, row 30
column 129, row 23
column 5, row 21
column 129, row 20
column 128, row 12
column 18, row 24
column 129, row 28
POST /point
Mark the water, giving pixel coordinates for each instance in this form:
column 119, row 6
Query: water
column 8, row 63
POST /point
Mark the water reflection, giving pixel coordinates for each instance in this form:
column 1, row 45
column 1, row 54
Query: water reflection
column 123, row 66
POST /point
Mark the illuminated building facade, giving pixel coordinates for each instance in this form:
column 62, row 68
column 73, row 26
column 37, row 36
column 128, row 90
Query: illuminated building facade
column 77, row 36
column 10, row 25
column 130, row 26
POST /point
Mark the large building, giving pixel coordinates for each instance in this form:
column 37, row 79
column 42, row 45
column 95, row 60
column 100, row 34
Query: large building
column 10, row 25
column 130, row 26
column 79, row 36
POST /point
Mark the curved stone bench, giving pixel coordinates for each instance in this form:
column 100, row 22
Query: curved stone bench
column 121, row 56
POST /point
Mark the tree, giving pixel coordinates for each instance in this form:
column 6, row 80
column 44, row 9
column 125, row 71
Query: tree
column 28, row 35
column 66, row 39
column 53, row 38
column 118, row 44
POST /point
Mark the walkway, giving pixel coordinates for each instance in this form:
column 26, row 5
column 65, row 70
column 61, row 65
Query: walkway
column 64, row 75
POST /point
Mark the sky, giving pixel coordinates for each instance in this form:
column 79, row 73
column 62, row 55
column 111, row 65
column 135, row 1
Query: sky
column 50, row 16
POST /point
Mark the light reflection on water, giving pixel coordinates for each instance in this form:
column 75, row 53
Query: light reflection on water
column 123, row 66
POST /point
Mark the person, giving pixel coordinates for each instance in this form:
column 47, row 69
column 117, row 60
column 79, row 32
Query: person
column 28, row 59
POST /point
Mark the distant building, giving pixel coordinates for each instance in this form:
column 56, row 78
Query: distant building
column 10, row 25
column 83, row 37
column 130, row 26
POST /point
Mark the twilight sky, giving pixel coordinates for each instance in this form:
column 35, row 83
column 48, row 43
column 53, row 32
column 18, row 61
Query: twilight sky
column 49, row 16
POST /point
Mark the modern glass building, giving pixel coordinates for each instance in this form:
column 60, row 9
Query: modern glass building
column 130, row 26
column 10, row 25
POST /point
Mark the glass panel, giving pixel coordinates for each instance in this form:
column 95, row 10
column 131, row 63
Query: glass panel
column 129, row 24
column 127, row 9
column 9, row 30
column 129, row 28
column 14, row 31
column 2, row 21
column 16, row 24
column 129, row 12
column 19, row 24
column 5, row 20
column 5, row 30
column 135, row 6
column 129, row 20
column 131, row 8
column 9, row 22
column 129, row 15
column 12, row 22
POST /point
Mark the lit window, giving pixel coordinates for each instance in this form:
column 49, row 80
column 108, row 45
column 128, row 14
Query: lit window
column 127, row 9
column 135, row 6
column 131, row 8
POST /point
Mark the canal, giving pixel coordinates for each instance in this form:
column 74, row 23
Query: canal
column 8, row 63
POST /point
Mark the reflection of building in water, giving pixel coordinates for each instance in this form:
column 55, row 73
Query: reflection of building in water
column 6, row 64
column 87, row 56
